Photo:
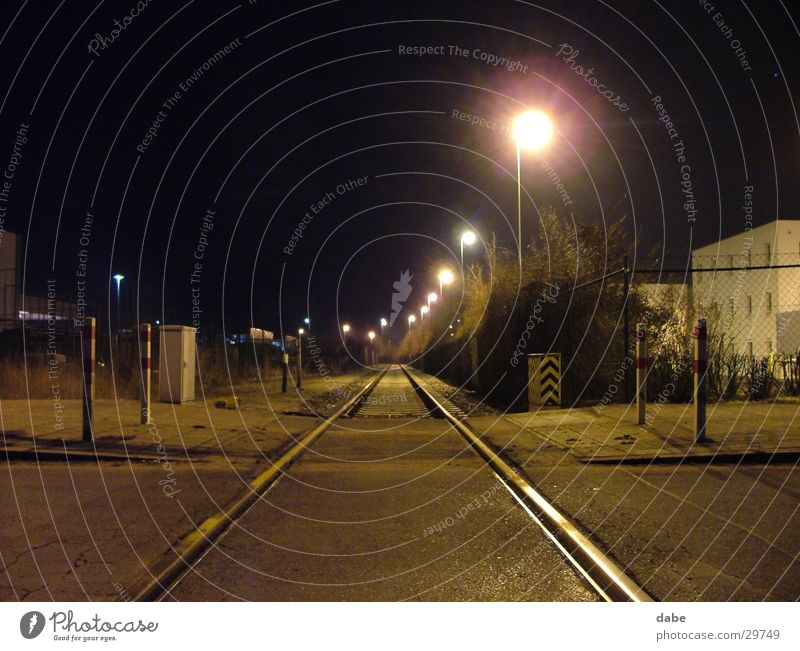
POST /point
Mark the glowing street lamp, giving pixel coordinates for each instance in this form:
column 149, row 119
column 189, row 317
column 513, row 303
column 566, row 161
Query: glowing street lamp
column 445, row 278
column 423, row 311
column 468, row 238
column 411, row 319
column 384, row 323
column 432, row 297
column 346, row 328
column 532, row 131
column 371, row 335
column 119, row 278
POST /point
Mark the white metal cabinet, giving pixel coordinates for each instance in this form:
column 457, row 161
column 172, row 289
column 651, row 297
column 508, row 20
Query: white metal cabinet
column 176, row 363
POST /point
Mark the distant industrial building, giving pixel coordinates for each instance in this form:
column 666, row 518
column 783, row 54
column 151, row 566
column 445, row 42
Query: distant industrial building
column 17, row 307
column 750, row 290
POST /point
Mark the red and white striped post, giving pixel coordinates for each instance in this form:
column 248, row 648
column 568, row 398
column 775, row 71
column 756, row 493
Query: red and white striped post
column 641, row 371
column 145, row 337
column 700, row 367
column 88, row 332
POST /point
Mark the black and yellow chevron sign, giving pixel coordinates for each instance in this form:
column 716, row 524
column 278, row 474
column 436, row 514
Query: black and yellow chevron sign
column 545, row 379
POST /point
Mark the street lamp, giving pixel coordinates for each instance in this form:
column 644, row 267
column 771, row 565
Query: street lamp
column 119, row 278
column 346, row 328
column 423, row 311
column 432, row 299
column 445, row 278
column 468, row 238
column 411, row 319
column 371, row 335
column 384, row 323
column 532, row 131
column 300, row 332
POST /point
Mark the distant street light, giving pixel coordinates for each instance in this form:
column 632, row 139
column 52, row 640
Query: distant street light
column 423, row 311
column 346, row 328
column 532, row 131
column 307, row 321
column 445, row 278
column 432, row 299
column 300, row 331
column 411, row 319
column 384, row 323
column 468, row 238
column 119, row 278
column 371, row 335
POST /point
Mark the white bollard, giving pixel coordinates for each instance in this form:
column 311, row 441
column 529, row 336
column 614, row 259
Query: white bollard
column 641, row 372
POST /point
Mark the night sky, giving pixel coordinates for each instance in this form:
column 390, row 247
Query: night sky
column 213, row 128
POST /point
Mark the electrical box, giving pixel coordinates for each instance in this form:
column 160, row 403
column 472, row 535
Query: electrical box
column 176, row 363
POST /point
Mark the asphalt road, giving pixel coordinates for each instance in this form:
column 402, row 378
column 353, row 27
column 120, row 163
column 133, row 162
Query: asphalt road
column 385, row 509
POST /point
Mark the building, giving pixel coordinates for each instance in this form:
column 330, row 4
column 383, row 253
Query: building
column 17, row 307
column 748, row 287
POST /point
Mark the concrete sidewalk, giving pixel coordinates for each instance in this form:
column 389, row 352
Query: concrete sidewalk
column 735, row 429
column 264, row 418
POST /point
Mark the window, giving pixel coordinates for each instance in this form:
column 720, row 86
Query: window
column 749, row 304
column 769, row 303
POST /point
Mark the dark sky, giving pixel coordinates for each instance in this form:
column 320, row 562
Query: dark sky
column 309, row 97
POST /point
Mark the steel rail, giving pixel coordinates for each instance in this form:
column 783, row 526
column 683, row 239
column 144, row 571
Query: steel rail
column 161, row 577
column 603, row 574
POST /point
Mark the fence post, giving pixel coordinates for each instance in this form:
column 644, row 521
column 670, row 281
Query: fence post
column 299, row 360
column 145, row 337
column 626, row 327
column 700, row 367
column 88, row 333
column 285, row 378
column 641, row 371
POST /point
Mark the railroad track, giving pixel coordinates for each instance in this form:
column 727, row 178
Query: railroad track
column 379, row 397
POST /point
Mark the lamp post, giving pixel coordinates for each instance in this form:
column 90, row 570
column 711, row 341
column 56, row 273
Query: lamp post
column 445, row 278
column 432, row 299
column 468, row 238
column 300, row 333
column 384, row 323
column 411, row 319
column 422, row 312
column 532, row 131
column 119, row 278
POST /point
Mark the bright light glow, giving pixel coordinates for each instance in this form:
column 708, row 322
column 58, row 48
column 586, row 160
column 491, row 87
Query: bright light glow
column 533, row 130
column 346, row 328
column 424, row 309
column 118, row 278
column 384, row 323
column 371, row 335
column 432, row 297
column 307, row 321
column 300, row 331
column 411, row 319
column 469, row 238
column 446, row 277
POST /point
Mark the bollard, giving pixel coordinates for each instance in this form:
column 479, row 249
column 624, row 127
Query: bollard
column 88, row 350
column 641, row 371
column 145, row 337
column 700, row 366
column 285, row 378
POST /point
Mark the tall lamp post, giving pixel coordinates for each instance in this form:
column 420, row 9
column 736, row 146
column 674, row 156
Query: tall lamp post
column 300, row 333
column 411, row 319
column 384, row 323
column 445, row 278
column 532, row 131
column 422, row 312
column 432, row 299
column 468, row 238
column 119, row 278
